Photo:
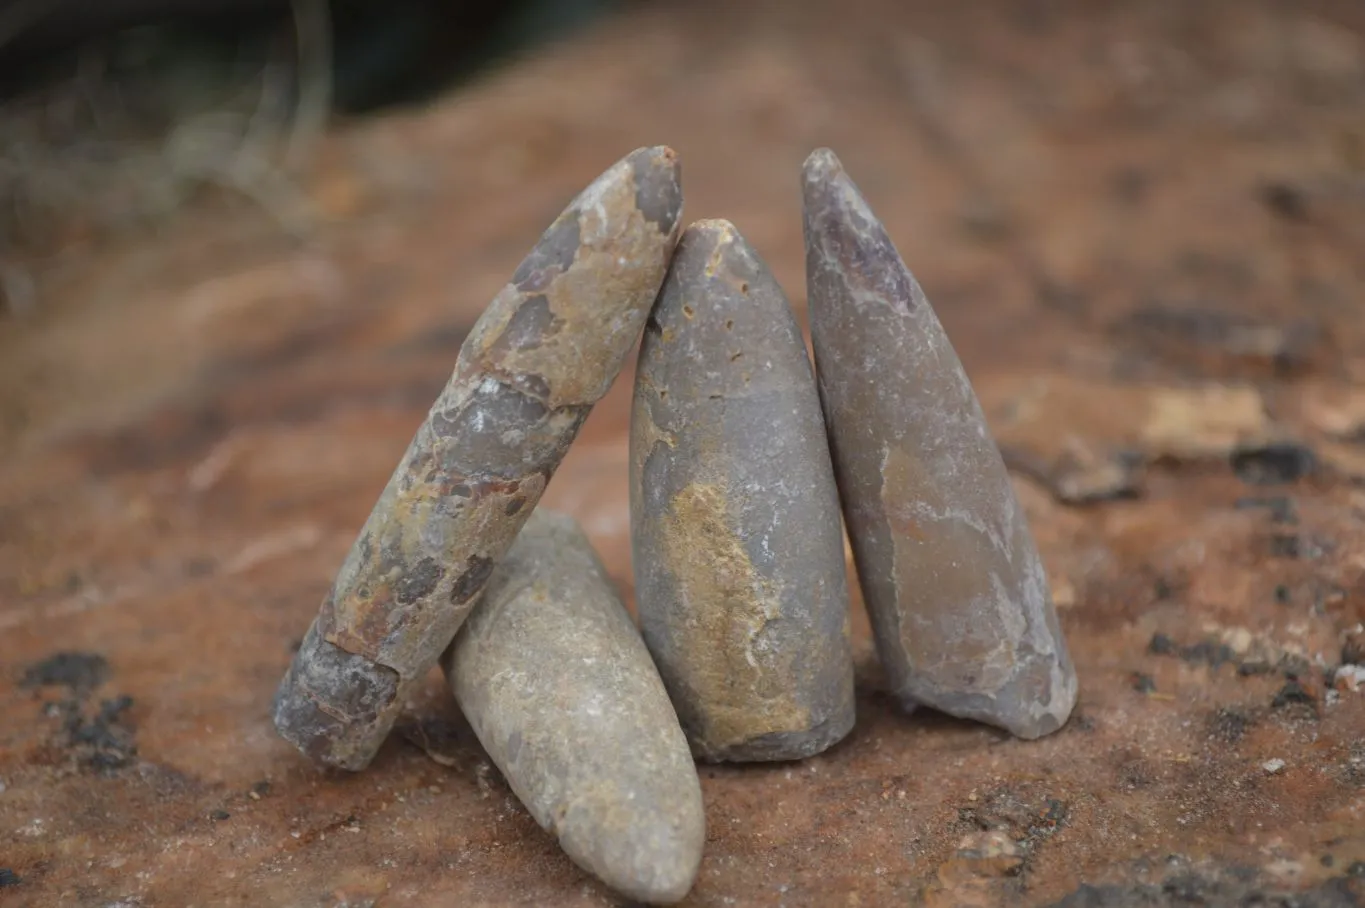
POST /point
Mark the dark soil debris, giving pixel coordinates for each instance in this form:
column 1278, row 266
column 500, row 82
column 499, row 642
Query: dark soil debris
column 1208, row 652
column 1280, row 507
column 1217, row 342
column 1295, row 698
column 1162, row 645
column 9, row 878
column 1295, row 545
column 1285, row 200
column 82, row 672
column 1216, row 654
column 1230, row 890
column 1049, row 821
column 1026, row 821
column 102, row 742
column 1273, row 464
column 447, row 743
column 95, row 738
column 1352, row 771
column 1229, row 724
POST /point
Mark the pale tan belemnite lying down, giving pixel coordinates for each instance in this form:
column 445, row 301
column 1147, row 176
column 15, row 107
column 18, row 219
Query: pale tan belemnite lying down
column 553, row 676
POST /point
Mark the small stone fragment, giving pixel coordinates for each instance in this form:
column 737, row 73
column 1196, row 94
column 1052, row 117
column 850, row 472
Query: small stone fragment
column 1348, row 678
column 1295, row 697
column 737, row 543
column 954, row 586
column 1353, row 647
column 1335, row 410
column 1162, row 645
column 558, row 686
column 1274, row 463
column 1090, row 440
column 1273, row 766
column 1231, row 725
column 546, row 349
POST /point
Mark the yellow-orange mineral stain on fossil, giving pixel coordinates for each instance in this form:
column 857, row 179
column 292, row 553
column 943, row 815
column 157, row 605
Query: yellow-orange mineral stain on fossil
column 733, row 604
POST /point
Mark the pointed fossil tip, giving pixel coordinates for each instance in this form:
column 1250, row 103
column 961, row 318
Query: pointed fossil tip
column 658, row 185
column 826, row 184
column 834, row 206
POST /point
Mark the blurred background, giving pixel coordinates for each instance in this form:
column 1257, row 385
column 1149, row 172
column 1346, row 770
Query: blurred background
column 1102, row 165
column 241, row 242
column 164, row 97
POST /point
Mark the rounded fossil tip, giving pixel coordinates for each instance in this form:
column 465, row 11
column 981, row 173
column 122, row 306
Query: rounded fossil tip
column 712, row 249
column 662, row 152
column 658, row 185
column 706, row 247
column 822, row 163
column 324, row 675
column 714, row 230
column 643, row 841
column 663, row 869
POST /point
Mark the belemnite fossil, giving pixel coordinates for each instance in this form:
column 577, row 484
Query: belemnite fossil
column 738, row 553
column 552, row 674
column 959, row 603
column 745, row 465
column 544, row 351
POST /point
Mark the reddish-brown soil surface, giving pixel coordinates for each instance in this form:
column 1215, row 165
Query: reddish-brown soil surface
column 1143, row 226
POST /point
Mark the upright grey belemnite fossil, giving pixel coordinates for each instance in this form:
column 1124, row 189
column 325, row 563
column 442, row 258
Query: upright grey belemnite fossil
column 960, row 607
column 545, row 350
column 738, row 551
column 560, row 690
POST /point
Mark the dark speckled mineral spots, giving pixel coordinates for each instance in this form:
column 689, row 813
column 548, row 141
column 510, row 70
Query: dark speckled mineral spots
column 738, row 551
column 955, row 589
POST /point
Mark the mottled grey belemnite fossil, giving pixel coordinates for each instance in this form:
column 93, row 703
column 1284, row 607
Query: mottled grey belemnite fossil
column 738, row 550
column 544, row 351
column 960, row 607
column 554, row 678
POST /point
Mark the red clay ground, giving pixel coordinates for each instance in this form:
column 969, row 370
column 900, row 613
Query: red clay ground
column 1142, row 226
